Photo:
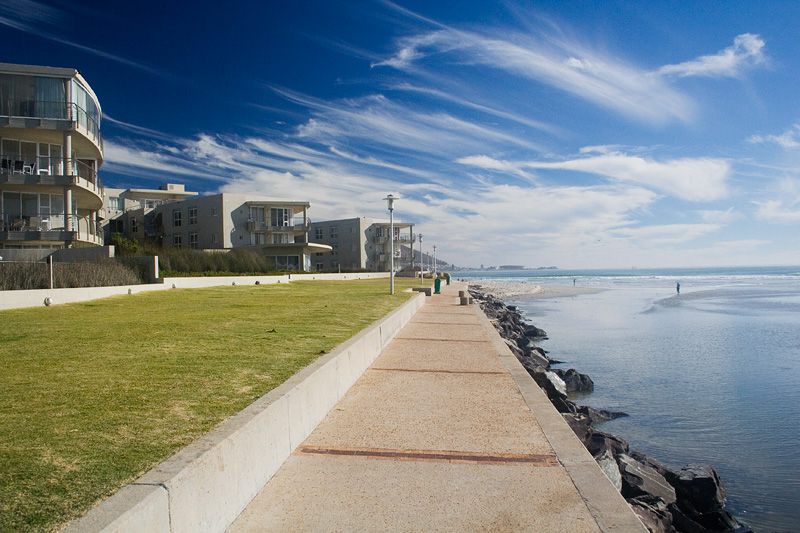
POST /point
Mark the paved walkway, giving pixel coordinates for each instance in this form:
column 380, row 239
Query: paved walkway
column 438, row 435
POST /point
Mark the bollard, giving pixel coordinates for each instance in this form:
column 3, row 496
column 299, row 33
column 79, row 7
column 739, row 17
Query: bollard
column 461, row 294
column 471, row 300
column 464, row 300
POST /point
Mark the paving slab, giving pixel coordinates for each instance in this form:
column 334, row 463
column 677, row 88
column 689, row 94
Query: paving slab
column 442, row 332
column 364, row 494
column 480, row 413
column 416, row 354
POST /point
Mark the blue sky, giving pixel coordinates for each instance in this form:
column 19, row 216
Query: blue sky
column 577, row 134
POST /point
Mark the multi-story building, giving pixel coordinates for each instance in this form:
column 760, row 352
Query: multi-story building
column 276, row 228
column 120, row 204
column 50, row 152
column 362, row 244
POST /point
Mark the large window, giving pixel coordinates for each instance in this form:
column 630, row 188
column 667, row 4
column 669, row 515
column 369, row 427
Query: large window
column 87, row 114
column 280, row 217
column 319, row 233
column 115, row 203
column 193, row 240
column 32, row 211
column 176, row 240
column 333, row 232
column 287, row 262
column 192, row 215
column 32, row 96
column 176, row 218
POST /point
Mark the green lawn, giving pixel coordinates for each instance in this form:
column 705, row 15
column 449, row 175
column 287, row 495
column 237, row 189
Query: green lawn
column 94, row 394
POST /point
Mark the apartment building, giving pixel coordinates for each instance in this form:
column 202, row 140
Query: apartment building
column 121, row 204
column 362, row 244
column 50, row 153
column 278, row 229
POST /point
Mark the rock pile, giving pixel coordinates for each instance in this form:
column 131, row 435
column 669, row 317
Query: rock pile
column 688, row 500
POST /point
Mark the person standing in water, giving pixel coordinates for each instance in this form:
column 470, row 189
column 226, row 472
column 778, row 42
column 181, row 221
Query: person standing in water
column 678, row 287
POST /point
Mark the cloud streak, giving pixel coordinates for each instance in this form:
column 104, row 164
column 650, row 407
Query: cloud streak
column 746, row 52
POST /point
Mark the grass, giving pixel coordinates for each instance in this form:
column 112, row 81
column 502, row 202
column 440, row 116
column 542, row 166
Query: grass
column 95, row 394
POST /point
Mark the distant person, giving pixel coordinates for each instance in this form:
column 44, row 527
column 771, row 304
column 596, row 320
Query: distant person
column 573, row 281
column 678, row 287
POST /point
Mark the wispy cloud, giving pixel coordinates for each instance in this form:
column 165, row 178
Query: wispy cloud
column 747, row 51
column 693, row 179
column 556, row 61
column 789, row 139
column 784, row 209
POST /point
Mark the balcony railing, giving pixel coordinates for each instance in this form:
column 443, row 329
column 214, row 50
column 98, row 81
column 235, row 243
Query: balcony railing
column 295, row 224
column 11, row 164
column 54, row 111
column 380, row 239
column 84, row 228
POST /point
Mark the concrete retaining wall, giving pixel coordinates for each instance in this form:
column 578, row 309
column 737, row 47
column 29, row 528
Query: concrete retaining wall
column 205, row 486
column 36, row 297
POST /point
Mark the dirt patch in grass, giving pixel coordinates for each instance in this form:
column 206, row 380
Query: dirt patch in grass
column 95, row 395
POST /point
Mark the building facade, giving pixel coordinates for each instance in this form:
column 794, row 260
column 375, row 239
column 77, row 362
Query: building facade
column 362, row 244
column 278, row 229
column 121, row 203
column 50, row 154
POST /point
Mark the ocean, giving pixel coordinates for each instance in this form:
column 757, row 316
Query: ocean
column 708, row 376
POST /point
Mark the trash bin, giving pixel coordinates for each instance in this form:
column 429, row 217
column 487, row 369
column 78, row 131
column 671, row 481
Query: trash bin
column 437, row 285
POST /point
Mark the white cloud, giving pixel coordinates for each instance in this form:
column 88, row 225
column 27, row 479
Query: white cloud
column 693, row 179
column 747, row 51
column 561, row 63
column 789, row 139
column 785, row 209
column 719, row 216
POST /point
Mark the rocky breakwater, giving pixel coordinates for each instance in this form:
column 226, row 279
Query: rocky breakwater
column 690, row 499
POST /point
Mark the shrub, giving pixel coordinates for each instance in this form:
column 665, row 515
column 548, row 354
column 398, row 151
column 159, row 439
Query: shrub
column 19, row 276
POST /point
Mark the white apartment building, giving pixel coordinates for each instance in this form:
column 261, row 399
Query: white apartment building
column 362, row 244
column 50, row 153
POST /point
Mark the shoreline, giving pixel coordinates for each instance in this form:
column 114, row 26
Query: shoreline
column 689, row 499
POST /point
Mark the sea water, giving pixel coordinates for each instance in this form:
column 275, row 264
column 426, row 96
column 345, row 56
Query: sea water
column 708, row 376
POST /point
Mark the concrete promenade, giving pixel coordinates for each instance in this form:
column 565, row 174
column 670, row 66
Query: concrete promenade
column 445, row 431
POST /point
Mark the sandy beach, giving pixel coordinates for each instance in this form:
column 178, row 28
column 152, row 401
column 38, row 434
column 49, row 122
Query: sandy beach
column 511, row 289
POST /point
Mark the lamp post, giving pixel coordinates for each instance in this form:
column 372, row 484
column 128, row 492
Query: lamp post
column 421, row 259
column 390, row 202
column 434, row 261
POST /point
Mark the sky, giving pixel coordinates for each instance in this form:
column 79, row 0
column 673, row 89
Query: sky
column 574, row 134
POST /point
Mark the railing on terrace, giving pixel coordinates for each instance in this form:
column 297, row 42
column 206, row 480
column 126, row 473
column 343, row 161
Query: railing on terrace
column 84, row 226
column 54, row 111
column 400, row 238
column 297, row 223
column 11, row 164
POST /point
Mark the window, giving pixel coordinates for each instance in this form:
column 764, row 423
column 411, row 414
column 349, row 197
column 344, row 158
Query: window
column 116, row 226
column 193, row 240
column 333, row 231
column 176, row 240
column 192, row 216
column 176, row 218
column 335, row 250
column 280, row 238
column 280, row 217
column 379, row 231
column 213, row 211
column 213, row 238
column 319, row 233
column 152, row 204
column 319, row 266
column 134, row 225
column 115, row 203
column 287, row 262
column 318, row 254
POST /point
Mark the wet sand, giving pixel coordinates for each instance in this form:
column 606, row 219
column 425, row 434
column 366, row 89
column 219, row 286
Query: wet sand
column 510, row 289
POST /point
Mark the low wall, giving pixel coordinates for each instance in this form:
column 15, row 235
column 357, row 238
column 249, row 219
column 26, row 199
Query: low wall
column 36, row 297
column 83, row 255
column 206, row 485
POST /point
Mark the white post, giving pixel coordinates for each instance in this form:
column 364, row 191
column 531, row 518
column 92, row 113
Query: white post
column 434, row 261
column 390, row 200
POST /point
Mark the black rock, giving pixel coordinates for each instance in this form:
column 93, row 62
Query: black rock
column 575, row 381
column 598, row 416
column 639, row 479
column 653, row 513
column 579, row 423
column 699, row 486
column 599, row 441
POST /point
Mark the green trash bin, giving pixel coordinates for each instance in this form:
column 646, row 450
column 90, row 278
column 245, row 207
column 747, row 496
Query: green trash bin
column 437, row 285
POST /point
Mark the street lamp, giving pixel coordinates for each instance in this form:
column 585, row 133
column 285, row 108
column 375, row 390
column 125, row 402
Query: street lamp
column 390, row 202
column 421, row 259
column 434, row 261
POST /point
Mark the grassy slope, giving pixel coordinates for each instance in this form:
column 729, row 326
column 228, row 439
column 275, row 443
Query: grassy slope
column 94, row 394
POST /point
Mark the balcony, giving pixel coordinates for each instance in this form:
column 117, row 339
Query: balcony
column 45, row 172
column 58, row 115
column 51, row 228
column 297, row 224
column 403, row 239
